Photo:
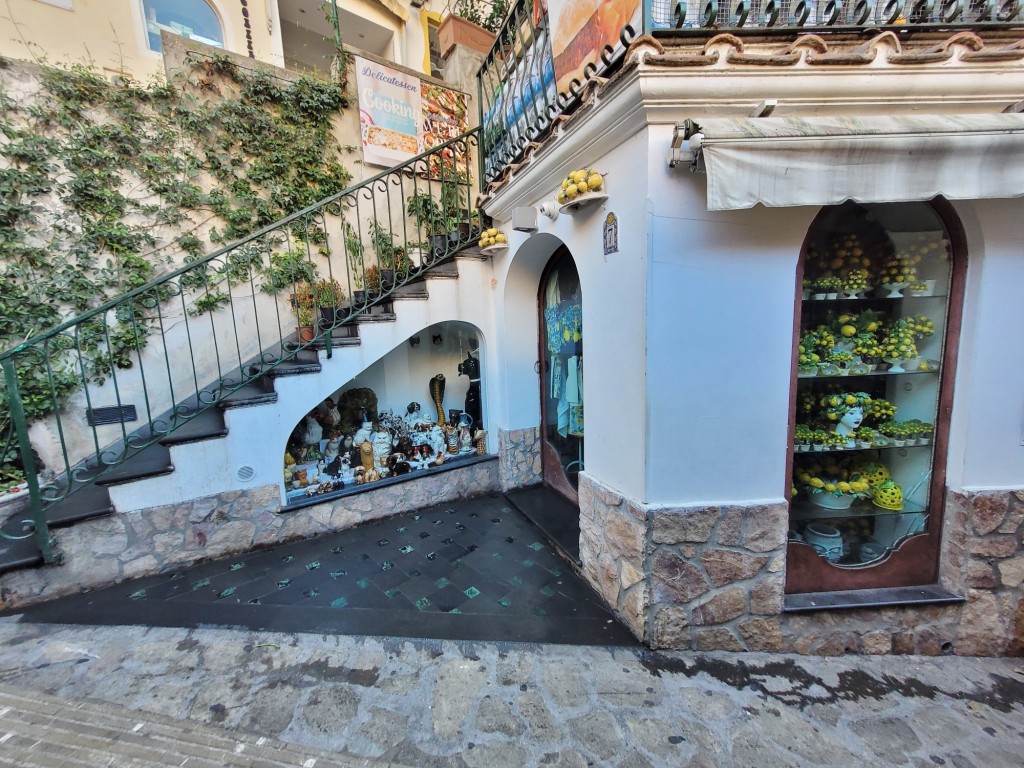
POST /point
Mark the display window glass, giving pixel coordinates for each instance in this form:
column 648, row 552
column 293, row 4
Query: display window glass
column 417, row 410
column 871, row 362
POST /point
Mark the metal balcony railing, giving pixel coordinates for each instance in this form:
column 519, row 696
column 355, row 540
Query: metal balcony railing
column 270, row 296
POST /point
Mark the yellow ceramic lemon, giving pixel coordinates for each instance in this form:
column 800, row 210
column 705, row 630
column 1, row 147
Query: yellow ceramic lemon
column 595, row 182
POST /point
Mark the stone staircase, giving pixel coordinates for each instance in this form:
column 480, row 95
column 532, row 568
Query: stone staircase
column 171, row 469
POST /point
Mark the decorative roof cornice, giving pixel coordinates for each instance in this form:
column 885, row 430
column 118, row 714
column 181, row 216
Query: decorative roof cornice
column 663, row 81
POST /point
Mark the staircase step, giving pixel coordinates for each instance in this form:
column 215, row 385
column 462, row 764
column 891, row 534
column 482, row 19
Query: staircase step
column 91, row 501
column 23, row 553
column 381, row 318
column 473, row 252
column 255, row 393
column 149, row 462
column 411, row 290
column 296, row 367
column 205, row 425
column 446, row 270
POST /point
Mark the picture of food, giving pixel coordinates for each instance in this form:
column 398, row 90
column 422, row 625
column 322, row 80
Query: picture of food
column 378, row 136
column 582, row 28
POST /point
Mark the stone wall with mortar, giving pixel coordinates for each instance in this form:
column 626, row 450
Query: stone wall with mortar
column 700, row 578
column 713, row 578
column 107, row 550
column 613, row 547
column 519, row 458
column 717, row 577
column 982, row 559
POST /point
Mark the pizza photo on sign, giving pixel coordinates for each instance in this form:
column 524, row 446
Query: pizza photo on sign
column 581, row 30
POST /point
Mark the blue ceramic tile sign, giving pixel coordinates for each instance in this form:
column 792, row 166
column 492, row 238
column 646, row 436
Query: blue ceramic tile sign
column 611, row 234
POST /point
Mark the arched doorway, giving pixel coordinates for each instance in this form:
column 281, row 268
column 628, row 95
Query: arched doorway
column 561, row 368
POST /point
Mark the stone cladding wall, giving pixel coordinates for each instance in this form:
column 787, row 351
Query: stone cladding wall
column 713, row 578
column 982, row 559
column 613, row 549
column 107, row 550
column 519, row 458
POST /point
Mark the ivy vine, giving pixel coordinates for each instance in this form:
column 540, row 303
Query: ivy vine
column 105, row 186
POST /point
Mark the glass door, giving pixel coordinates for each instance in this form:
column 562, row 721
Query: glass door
column 562, row 375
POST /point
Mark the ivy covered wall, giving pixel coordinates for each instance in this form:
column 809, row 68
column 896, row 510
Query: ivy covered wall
column 105, row 186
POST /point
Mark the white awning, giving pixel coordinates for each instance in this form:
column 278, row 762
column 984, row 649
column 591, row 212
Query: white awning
column 785, row 161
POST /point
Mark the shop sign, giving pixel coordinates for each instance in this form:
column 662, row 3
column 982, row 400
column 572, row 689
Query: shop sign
column 401, row 116
column 611, row 234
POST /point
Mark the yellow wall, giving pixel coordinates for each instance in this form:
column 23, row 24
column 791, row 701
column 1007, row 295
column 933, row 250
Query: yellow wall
column 110, row 33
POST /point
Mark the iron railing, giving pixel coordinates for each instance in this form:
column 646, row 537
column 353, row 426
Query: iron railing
column 203, row 332
column 702, row 16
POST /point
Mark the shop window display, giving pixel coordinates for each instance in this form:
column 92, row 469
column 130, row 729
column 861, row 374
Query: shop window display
column 417, row 409
column 870, row 363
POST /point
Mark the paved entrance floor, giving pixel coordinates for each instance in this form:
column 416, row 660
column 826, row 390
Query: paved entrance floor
column 470, row 570
column 479, row 704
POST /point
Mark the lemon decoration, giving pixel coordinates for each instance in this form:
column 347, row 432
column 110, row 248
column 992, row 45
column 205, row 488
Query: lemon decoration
column 572, row 191
column 889, row 496
column 848, row 331
column 582, row 187
column 595, row 182
column 500, row 238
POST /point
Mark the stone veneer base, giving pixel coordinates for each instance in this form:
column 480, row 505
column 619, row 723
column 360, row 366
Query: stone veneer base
column 519, row 458
column 712, row 578
column 103, row 551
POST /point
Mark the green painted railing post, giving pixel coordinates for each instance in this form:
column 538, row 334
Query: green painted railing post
column 28, row 459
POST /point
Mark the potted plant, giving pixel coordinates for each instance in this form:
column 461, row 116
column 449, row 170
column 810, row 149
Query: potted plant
column 354, row 250
column 328, row 296
column 371, row 277
column 303, row 303
column 383, row 240
column 430, row 219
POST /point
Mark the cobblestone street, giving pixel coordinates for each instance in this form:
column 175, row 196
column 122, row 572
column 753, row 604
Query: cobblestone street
column 446, row 703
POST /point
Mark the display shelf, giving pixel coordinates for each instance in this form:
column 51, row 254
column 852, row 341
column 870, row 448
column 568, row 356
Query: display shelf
column 583, row 201
column 869, row 374
column 840, row 300
column 812, row 452
column 804, row 511
column 492, row 249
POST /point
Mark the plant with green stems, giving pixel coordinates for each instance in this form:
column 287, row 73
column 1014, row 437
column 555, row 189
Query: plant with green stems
column 354, row 254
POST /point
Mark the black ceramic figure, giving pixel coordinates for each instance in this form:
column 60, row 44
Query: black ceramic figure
column 471, row 367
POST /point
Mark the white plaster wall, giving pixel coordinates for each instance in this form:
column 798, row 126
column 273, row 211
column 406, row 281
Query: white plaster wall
column 719, row 339
column 614, row 294
column 257, row 435
column 987, row 428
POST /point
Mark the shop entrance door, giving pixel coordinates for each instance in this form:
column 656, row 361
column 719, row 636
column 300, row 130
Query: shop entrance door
column 561, row 368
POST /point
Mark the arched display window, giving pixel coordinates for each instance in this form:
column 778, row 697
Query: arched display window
column 416, row 411
column 879, row 313
column 194, row 19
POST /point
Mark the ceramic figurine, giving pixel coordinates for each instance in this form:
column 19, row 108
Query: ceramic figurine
column 330, row 416
column 480, row 441
column 435, row 439
column 439, row 459
column 451, row 438
column 333, row 447
column 382, row 445
column 364, row 432
column 366, row 454
column 334, row 469
column 437, row 396
column 312, row 433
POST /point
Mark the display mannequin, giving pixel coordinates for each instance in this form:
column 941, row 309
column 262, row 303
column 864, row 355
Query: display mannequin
column 471, row 367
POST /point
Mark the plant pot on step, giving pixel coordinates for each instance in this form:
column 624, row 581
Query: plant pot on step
column 306, row 333
column 387, row 279
column 438, row 244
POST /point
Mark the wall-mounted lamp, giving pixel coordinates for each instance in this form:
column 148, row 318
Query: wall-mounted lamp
column 436, row 338
column 414, row 341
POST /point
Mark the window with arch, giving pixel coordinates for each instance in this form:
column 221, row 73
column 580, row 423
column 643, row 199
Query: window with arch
column 881, row 297
column 194, row 19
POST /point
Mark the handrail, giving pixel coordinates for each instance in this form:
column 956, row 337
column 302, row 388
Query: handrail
column 186, row 341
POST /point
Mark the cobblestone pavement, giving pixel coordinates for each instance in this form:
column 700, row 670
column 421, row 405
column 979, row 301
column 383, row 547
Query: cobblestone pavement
column 447, row 703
